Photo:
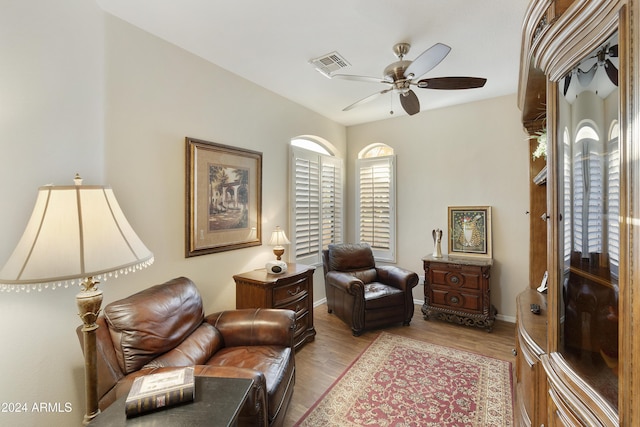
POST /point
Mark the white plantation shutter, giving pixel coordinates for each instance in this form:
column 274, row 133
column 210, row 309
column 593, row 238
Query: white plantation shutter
column 316, row 194
column 375, row 200
column 332, row 211
column 567, row 215
column 613, row 203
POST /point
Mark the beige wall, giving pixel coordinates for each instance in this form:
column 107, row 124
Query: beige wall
column 156, row 95
column 468, row 155
column 51, row 126
column 85, row 92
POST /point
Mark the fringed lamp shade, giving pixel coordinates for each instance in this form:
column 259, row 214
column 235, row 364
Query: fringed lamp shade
column 74, row 232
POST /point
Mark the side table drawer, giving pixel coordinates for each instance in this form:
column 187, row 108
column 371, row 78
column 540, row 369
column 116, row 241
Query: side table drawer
column 456, row 277
column 302, row 325
column 285, row 294
column 300, row 306
column 450, row 298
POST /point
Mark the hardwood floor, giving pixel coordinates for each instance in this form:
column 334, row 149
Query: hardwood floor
column 320, row 362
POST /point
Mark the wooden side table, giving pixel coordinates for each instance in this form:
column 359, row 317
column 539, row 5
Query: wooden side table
column 292, row 290
column 457, row 290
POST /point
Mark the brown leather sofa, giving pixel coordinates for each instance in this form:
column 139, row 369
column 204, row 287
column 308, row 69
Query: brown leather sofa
column 165, row 326
column 363, row 295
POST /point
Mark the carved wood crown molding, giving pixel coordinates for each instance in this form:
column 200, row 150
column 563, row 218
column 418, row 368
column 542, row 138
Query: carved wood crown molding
column 581, row 29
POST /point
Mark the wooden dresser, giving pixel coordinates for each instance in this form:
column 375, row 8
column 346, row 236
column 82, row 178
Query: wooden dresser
column 457, row 290
column 292, row 290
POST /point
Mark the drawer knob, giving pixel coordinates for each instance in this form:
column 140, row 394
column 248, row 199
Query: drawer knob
column 455, row 279
column 455, row 300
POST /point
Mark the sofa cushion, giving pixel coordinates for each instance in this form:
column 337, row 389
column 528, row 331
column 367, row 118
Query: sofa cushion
column 196, row 349
column 153, row 321
column 378, row 295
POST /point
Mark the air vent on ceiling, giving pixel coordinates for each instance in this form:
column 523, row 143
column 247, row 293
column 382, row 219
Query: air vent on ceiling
column 329, row 63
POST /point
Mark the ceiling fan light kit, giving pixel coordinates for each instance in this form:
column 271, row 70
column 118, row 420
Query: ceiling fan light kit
column 402, row 74
column 601, row 86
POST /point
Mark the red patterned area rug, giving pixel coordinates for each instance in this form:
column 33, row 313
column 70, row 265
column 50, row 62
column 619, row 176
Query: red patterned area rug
column 399, row 381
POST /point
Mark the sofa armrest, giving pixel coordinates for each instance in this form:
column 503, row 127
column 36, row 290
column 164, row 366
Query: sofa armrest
column 397, row 277
column 347, row 282
column 255, row 326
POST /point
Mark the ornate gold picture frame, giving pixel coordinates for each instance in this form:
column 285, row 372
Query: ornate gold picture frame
column 223, row 197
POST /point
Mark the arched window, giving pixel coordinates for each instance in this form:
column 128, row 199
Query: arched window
column 375, row 200
column 588, row 190
column 316, row 198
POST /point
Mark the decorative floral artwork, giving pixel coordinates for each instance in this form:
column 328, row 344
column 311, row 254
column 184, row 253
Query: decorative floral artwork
column 470, row 231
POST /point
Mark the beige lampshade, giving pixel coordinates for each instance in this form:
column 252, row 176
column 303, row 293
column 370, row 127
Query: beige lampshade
column 278, row 238
column 74, row 232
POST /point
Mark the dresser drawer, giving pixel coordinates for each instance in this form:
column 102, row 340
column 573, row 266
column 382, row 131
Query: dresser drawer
column 302, row 325
column 285, row 294
column 300, row 305
column 450, row 298
column 463, row 278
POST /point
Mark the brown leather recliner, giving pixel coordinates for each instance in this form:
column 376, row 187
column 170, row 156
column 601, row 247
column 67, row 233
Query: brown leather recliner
column 164, row 326
column 365, row 296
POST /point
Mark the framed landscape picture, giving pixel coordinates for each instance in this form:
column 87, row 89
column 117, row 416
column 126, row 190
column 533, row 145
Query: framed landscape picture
column 470, row 231
column 223, row 197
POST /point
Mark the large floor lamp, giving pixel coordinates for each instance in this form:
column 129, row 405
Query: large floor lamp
column 77, row 235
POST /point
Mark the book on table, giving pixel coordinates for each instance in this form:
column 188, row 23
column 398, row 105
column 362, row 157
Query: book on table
column 156, row 391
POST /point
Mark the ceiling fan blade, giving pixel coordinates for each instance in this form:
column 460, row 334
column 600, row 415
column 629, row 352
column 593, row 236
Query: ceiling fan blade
column 452, row 83
column 613, row 51
column 612, row 71
column 567, row 83
column 367, row 99
column 360, row 78
column 427, row 60
column 410, row 102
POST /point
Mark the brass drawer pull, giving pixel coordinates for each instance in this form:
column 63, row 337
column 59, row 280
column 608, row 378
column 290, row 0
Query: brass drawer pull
column 296, row 292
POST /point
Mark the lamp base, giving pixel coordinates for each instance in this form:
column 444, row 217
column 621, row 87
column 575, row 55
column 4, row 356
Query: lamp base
column 89, row 301
column 276, row 267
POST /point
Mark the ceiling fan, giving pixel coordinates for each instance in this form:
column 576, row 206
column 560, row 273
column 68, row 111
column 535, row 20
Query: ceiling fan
column 402, row 74
column 602, row 58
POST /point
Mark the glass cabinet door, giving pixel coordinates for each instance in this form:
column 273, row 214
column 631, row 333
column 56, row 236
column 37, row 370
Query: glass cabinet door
column 588, row 187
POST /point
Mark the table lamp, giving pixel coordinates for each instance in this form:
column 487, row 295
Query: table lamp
column 77, row 235
column 277, row 240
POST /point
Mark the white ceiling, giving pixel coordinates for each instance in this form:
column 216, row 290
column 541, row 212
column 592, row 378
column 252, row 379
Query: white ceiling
column 270, row 43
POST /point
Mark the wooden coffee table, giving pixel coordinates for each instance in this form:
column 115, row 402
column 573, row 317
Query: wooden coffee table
column 218, row 402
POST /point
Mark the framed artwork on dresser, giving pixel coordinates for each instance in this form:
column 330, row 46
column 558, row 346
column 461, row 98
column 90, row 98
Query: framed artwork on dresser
column 223, row 197
column 470, row 231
